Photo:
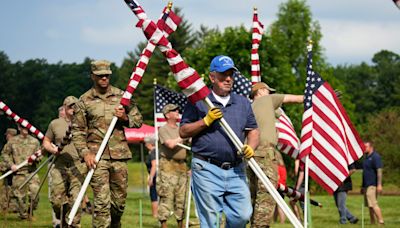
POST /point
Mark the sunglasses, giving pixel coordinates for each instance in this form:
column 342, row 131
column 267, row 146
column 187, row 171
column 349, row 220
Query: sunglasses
column 103, row 75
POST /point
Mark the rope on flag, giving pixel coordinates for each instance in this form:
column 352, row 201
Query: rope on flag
column 258, row 30
column 328, row 137
column 188, row 79
column 169, row 21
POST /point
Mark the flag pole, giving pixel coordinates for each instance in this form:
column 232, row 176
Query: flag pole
column 306, row 192
column 155, row 122
column 306, row 169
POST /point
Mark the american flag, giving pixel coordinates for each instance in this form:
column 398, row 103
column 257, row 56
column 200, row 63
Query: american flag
column 241, row 85
column 169, row 22
column 164, row 96
column 187, row 78
column 288, row 142
column 328, row 137
column 258, row 30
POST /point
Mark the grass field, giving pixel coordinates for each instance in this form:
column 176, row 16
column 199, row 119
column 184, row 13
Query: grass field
column 325, row 217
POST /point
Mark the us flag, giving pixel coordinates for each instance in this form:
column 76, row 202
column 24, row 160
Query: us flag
column 164, row 96
column 328, row 137
column 258, row 30
column 241, row 85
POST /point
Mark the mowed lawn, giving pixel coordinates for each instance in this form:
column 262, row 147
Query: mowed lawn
column 325, row 217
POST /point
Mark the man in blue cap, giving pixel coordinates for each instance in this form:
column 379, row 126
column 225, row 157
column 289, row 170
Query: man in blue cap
column 218, row 172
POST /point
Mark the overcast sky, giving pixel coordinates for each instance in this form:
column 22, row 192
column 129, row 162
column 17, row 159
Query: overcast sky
column 70, row 30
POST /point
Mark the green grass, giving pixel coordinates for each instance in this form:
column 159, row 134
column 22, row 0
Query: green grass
column 326, row 217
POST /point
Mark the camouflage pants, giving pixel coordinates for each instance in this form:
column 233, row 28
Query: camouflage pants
column 109, row 184
column 23, row 201
column 263, row 202
column 8, row 202
column 65, row 185
column 171, row 188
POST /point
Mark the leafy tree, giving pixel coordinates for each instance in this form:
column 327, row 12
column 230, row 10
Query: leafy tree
column 383, row 130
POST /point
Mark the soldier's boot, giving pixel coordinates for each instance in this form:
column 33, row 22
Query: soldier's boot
column 180, row 223
column 164, row 224
column 115, row 221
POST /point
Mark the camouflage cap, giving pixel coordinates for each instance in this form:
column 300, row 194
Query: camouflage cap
column 70, row 100
column 101, row 67
column 260, row 85
column 11, row 131
column 169, row 107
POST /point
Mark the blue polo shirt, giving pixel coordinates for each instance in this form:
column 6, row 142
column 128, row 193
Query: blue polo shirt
column 213, row 142
column 371, row 163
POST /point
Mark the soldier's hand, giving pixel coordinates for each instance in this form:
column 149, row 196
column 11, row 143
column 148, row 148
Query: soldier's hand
column 13, row 167
column 248, row 152
column 120, row 113
column 90, row 160
column 212, row 115
column 150, row 181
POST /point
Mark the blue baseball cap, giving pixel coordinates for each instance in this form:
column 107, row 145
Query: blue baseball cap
column 222, row 63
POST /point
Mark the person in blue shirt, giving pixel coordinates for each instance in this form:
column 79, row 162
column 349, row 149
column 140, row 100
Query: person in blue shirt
column 218, row 172
column 372, row 182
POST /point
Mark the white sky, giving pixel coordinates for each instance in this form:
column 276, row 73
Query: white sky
column 69, row 31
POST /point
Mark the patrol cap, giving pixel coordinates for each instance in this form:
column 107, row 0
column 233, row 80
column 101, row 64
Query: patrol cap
column 101, row 67
column 70, row 100
column 11, row 131
column 169, row 107
column 150, row 139
column 222, row 63
column 260, row 85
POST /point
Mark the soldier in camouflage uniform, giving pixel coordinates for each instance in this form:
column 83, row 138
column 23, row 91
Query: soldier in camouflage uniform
column 93, row 115
column 7, row 201
column 172, row 175
column 68, row 173
column 17, row 150
column 265, row 108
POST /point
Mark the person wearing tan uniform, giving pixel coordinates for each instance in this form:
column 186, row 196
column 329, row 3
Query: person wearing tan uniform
column 172, row 175
column 67, row 175
column 266, row 110
column 93, row 114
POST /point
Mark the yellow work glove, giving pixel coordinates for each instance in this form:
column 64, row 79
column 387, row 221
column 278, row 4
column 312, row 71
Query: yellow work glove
column 212, row 115
column 248, row 152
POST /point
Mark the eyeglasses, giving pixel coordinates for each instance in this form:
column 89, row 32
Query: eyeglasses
column 103, row 75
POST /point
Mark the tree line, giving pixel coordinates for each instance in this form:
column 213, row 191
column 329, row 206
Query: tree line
column 370, row 91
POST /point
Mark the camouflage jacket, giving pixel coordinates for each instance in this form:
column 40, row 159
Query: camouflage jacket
column 18, row 149
column 93, row 115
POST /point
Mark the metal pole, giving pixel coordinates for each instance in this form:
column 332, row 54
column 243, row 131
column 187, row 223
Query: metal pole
column 36, row 171
column 189, row 201
column 142, row 167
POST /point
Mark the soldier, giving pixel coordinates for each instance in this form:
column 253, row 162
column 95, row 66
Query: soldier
column 172, row 176
column 266, row 108
column 17, row 150
column 93, row 115
column 7, row 201
column 68, row 172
